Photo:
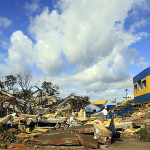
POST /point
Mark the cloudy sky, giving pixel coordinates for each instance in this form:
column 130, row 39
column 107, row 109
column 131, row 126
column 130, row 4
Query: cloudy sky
column 87, row 47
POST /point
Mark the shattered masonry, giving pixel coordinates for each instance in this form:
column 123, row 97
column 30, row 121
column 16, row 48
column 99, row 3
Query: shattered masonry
column 56, row 122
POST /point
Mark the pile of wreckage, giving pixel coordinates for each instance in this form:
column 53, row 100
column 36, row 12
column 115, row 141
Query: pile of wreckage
column 56, row 122
column 51, row 130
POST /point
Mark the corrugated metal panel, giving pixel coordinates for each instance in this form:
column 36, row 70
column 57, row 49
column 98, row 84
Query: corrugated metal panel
column 141, row 75
column 142, row 98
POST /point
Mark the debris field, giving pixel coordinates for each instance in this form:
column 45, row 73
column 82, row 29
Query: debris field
column 57, row 123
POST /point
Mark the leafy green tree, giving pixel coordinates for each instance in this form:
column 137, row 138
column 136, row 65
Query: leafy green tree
column 50, row 89
column 10, row 81
column 1, row 84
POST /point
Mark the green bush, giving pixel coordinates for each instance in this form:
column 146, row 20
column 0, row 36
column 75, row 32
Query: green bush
column 144, row 136
column 7, row 136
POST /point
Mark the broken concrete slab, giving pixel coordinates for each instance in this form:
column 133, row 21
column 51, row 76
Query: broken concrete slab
column 61, row 138
column 102, row 134
column 88, row 141
column 88, row 128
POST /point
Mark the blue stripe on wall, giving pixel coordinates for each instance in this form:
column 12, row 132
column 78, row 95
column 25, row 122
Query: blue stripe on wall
column 142, row 98
column 125, row 110
column 141, row 75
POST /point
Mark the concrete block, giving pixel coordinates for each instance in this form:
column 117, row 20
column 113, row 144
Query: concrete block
column 88, row 141
column 102, row 134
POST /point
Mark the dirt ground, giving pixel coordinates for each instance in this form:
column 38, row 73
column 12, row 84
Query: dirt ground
column 118, row 144
column 129, row 143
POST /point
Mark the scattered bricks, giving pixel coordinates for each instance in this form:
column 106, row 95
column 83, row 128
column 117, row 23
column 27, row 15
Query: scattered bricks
column 12, row 130
column 22, row 136
column 102, row 134
column 88, row 141
column 89, row 128
column 59, row 138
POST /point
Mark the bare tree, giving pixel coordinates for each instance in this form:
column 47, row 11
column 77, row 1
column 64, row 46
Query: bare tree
column 24, row 79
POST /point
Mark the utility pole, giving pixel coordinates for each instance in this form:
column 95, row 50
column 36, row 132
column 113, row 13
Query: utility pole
column 127, row 94
column 116, row 102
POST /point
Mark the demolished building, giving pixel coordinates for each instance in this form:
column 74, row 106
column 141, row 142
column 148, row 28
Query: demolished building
column 63, row 122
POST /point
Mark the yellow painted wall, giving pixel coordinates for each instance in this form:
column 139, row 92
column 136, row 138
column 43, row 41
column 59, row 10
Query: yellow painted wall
column 143, row 91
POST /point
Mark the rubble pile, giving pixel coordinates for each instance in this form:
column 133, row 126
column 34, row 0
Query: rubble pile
column 52, row 121
column 56, row 134
column 140, row 120
column 140, row 115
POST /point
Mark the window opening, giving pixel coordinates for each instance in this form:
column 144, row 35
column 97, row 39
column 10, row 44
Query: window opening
column 139, row 85
column 135, row 87
column 144, row 83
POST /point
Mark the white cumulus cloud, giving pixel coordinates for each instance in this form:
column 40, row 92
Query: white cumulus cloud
column 19, row 54
column 82, row 45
